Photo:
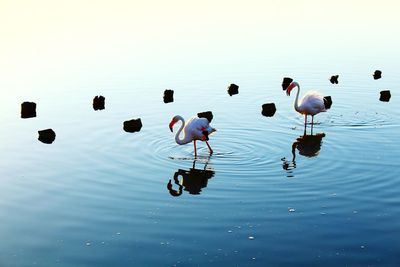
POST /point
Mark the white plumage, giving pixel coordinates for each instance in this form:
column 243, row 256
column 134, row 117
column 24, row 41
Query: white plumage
column 195, row 129
column 311, row 103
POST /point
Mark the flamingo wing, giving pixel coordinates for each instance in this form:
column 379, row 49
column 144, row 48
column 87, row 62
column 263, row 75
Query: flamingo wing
column 196, row 126
column 312, row 103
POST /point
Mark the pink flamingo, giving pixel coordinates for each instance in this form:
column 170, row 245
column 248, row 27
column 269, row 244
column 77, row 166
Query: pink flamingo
column 195, row 129
column 311, row 103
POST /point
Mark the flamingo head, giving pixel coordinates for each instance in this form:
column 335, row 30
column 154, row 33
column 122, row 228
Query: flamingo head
column 290, row 87
column 173, row 121
column 205, row 136
column 169, row 185
column 173, row 192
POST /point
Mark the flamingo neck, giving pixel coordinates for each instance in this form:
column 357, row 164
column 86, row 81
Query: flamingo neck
column 186, row 139
column 296, row 101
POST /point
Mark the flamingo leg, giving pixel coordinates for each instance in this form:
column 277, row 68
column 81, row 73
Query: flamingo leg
column 312, row 124
column 194, row 164
column 211, row 151
column 305, row 124
column 195, row 150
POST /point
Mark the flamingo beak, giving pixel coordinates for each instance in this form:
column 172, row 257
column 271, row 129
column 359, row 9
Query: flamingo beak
column 205, row 136
column 171, row 125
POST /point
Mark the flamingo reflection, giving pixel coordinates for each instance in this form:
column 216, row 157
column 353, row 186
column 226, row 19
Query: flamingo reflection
column 307, row 145
column 192, row 180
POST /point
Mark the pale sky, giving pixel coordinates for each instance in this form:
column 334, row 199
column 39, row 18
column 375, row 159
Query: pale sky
column 56, row 36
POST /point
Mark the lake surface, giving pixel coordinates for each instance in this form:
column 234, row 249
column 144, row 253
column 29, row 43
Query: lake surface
column 98, row 196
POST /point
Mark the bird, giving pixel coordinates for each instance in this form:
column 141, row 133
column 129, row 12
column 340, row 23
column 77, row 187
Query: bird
column 311, row 103
column 195, row 129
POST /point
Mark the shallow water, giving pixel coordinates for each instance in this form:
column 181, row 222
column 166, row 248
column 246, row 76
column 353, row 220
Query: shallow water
column 99, row 196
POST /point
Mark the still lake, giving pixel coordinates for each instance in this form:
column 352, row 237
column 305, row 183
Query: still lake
column 98, row 196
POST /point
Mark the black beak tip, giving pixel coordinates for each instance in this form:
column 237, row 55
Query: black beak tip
column 205, row 133
column 171, row 129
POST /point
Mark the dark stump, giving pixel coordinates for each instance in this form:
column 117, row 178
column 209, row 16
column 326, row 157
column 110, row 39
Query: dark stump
column 98, row 102
column 132, row 126
column 233, row 89
column 334, row 79
column 327, row 102
column 385, row 96
column 168, row 96
column 268, row 109
column 28, row 110
column 207, row 114
column 47, row 136
column 377, row 74
column 286, row 82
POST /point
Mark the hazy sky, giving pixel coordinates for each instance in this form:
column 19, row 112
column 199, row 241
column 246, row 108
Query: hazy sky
column 57, row 37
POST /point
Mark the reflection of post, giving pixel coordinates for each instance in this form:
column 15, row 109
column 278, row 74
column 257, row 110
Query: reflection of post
column 193, row 180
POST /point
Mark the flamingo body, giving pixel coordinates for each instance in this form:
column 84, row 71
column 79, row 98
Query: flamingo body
column 311, row 103
column 195, row 128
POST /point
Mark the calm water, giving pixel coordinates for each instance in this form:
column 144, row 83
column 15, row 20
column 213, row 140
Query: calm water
column 98, row 196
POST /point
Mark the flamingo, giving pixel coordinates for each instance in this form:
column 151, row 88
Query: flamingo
column 195, row 129
column 311, row 103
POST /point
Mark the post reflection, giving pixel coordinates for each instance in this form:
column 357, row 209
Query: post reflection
column 192, row 180
column 307, row 145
